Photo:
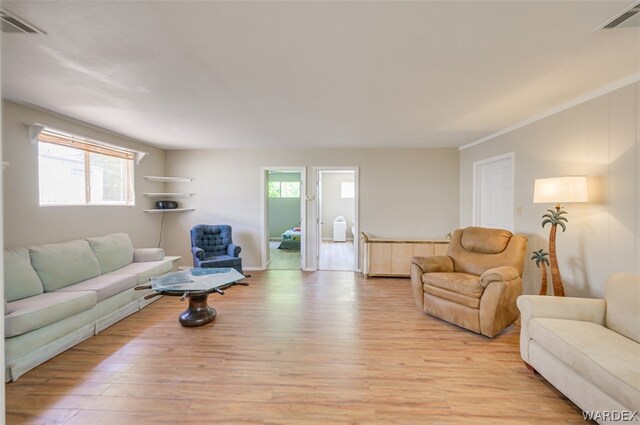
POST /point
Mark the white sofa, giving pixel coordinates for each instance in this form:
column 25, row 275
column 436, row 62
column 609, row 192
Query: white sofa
column 589, row 349
column 57, row 295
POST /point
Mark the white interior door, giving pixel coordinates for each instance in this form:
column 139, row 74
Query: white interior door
column 493, row 192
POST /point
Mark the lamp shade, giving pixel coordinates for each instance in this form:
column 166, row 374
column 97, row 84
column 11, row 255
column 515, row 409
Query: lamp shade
column 559, row 190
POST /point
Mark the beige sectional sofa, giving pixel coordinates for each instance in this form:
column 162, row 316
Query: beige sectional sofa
column 57, row 295
column 588, row 348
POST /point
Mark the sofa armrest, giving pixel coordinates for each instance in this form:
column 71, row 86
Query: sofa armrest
column 233, row 250
column 435, row 264
column 143, row 255
column 499, row 274
column 534, row 306
column 197, row 253
column 498, row 302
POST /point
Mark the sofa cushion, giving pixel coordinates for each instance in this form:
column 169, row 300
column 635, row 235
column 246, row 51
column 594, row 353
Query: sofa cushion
column 20, row 279
column 41, row 310
column 623, row 304
column 605, row 358
column 63, row 264
column 145, row 271
column 462, row 283
column 105, row 286
column 113, row 251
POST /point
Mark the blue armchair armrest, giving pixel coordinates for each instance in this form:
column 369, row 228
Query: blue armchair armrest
column 233, row 250
column 197, row 253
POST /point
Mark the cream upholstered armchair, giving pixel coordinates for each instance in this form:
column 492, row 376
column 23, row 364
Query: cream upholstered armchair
column 476, row 284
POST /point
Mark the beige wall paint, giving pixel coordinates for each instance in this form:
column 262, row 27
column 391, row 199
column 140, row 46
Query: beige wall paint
column 599, row 139
column 26, row 223
column 333, row 204
column 403, row 192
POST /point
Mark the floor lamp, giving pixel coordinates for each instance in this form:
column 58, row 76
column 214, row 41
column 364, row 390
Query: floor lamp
column 558, row 190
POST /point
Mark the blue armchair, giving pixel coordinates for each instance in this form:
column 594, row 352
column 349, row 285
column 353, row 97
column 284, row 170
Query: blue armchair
column 211, row 246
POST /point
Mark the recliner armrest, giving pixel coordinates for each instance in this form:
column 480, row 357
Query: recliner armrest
column 499, row 274
column 233, row 250
column 435, row 264
column 197, row 253
column 143, row 255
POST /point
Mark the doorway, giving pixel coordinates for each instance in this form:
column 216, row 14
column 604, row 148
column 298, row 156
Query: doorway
column 283, row 235
column 337, row 219
column 493, row 192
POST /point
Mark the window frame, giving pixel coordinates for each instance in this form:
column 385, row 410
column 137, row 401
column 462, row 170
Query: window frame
column 88, row 147
column 279, row 183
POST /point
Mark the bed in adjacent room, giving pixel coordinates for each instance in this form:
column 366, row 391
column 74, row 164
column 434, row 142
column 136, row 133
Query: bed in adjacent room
column 291, row 239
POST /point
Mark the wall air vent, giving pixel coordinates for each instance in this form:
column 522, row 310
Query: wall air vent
column 628, row 18
column 10, row 23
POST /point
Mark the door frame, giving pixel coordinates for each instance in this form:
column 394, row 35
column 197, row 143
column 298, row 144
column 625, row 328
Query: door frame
column 314, row 264
column 476, row 184
column 264, row 263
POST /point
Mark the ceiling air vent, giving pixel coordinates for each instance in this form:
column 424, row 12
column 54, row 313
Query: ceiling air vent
column 628, row 18
column 10, row 23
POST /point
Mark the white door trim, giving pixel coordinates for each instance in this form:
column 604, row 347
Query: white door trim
column 315, row 225
column 303, row 213
column 476, row 182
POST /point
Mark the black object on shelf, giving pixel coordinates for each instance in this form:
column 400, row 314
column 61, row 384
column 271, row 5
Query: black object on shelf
column 166, row 205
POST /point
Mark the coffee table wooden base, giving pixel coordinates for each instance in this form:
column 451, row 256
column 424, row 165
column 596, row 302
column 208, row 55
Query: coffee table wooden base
column 199, row 313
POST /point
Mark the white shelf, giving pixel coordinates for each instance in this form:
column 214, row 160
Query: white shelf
column 169, row 210
column 169, row 195
column 168, row 179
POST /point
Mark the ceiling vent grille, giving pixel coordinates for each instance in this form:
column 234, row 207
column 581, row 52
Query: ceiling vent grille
column 625, row 18
column 10, row 23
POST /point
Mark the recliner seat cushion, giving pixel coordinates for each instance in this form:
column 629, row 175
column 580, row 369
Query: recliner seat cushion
column 20, row 279
column 112, row 251
column 105, row 286
column 604, row 357
column 41, row 310
column 462, row 283
column 63, row 264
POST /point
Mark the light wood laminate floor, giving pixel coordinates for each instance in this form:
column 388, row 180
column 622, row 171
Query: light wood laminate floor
column 292, row 348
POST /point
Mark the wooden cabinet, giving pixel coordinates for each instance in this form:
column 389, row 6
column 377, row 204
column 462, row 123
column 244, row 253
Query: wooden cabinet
column 392, row 257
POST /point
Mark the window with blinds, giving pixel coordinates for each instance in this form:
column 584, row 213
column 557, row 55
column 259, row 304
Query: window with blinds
column 74, row 171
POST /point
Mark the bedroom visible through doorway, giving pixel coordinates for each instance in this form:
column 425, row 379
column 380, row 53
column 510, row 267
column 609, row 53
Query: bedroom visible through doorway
column 284, row 219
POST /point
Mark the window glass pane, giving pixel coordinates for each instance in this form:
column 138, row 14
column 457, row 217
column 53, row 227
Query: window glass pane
column 109, row 179
column 274, row 189
column 347, row 190
column 290, row 189
column 61, row 171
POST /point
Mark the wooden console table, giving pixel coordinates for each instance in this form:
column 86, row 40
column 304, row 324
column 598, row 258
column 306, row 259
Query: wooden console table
column 392, row 257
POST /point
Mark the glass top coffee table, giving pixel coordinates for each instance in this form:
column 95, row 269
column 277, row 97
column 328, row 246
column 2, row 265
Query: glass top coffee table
column 196, row 285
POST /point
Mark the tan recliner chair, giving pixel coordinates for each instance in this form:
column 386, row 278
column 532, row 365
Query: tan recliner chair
column 476, row 284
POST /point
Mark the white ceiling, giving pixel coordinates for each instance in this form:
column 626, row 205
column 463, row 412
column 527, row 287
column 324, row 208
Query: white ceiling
column 203, row 74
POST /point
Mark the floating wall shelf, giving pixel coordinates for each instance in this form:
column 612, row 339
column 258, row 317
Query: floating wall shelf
column 169, row 195
column 175, row 210
column 168, row 179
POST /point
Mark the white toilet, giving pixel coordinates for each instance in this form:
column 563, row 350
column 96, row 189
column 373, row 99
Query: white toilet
column 339, row 229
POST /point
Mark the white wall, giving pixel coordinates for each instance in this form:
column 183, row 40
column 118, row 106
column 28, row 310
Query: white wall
column 403, row 192
column 599, row 139
column 26, row 223
column 333, row 204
